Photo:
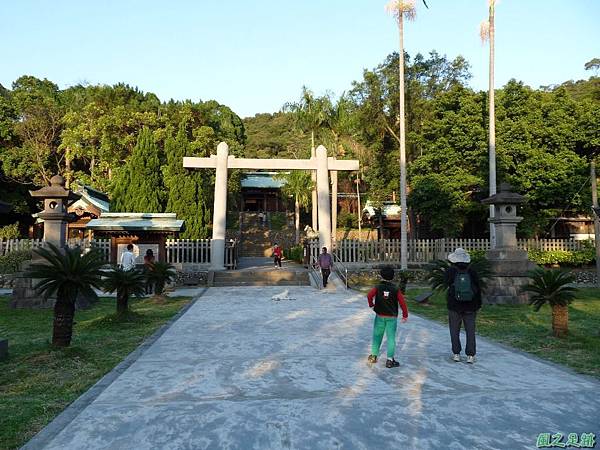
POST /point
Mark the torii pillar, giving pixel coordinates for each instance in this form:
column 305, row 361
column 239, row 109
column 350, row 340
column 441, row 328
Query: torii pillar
column 222, row 162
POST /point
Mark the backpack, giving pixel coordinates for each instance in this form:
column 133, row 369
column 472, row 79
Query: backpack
column 463, row 288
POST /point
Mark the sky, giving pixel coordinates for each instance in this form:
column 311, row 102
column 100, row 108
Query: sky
column 254, row 56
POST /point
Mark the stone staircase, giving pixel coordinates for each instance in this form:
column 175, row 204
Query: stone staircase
column 275, row 277
column 255, row 236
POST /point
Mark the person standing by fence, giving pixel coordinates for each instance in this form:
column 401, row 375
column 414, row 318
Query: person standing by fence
column 128, row 258
column 148, row 267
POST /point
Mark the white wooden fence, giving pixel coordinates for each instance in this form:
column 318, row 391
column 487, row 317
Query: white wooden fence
column 11, row 245
column 424, row 250
column 196, row 251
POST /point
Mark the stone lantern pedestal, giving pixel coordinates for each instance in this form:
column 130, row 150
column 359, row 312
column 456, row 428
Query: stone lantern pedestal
column 509, row 263
column 56, row 200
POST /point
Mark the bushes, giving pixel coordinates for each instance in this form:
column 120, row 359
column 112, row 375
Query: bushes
column 347, row 221
column 278, row 220
column 10, row 231
column 11, row 262
column 569, row 258
column 295, row 253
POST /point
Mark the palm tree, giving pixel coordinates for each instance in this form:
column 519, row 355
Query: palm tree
column 401, row 9
column 310, row 114
column 552, row 287
column 436, row 273
column 126, row 283
column 298, row 185
column 487, row 32
column 160, row 274
column 66, row 273
column 337, row 120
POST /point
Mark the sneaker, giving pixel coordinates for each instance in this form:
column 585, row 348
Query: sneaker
column 456, row 357
column 372, row 359
column 391, row 363
column 470, row 359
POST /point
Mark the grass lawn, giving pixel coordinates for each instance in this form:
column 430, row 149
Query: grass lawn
column 521, row 327
column 37, row 381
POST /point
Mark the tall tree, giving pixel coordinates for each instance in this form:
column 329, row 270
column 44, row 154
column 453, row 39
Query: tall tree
column 311, row 115
column 402, row 9
column 139, row 187
column 186, row 190
column 298, row 185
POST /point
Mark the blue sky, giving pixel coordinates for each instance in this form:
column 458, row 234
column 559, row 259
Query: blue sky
column 255, row 55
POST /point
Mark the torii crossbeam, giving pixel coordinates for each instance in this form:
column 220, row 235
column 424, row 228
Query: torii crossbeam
column 222, row 161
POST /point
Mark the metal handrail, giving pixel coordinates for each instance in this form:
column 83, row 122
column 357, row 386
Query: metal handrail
column 312, row 263
column 337, row 261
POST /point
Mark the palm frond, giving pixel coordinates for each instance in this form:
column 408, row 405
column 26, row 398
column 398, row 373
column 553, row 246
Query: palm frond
column 402, row 8
column 160, row 274
column 550, row 286
column 127, row 282
column 66, row 270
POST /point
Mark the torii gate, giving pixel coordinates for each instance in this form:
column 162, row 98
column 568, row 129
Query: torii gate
column 223, row 161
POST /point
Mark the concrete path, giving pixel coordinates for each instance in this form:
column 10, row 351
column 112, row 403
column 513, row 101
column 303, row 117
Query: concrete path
column 241, row 371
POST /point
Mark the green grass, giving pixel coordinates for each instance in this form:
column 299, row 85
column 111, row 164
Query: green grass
column 38, row 381
column 521, row 327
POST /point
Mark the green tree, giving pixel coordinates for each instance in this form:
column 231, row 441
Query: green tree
column 298, row 185
column 159, row 274
column 552, row 287
column 187, row 190
column 66, row 273
column 139, row 187
column 125, row 283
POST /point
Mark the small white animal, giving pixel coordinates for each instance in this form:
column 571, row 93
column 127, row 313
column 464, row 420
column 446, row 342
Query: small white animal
column 285, row 295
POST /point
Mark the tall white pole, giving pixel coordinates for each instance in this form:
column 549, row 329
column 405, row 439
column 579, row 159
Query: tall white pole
column 334, row 193
column 403, row 212
column 492, row 127
column 359, row 212
column 596, row 220
column 217, row 254
column 324, row 206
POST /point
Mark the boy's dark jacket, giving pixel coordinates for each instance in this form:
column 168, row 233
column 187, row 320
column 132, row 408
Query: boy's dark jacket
column 455, row 305
column 385, row 299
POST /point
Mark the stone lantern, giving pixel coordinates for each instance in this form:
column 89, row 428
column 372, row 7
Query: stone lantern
column 509, row 263
column 56, row 200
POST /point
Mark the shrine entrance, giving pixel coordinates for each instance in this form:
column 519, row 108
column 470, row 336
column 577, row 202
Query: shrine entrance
column 222, row 161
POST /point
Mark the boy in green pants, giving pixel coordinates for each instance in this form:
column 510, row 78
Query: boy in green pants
column 384, row 300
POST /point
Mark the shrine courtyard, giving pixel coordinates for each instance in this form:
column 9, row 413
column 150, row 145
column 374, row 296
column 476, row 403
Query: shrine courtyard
column 240, row 370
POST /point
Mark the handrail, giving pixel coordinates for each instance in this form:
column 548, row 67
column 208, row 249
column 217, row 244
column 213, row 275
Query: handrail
column 336, row 261
column 312, row 263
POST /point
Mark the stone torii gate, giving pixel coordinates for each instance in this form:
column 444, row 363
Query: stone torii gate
column 222, row 161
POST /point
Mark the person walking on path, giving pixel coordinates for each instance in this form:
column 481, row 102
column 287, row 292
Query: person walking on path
column 384, row 299
column 277, row 255
column 148, row 266
column 128, row 258
column 325, row 262
column 464, row 300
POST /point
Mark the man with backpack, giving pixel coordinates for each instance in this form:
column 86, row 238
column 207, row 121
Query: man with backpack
column 464, row 300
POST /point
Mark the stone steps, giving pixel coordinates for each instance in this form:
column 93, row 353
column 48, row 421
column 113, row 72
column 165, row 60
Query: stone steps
column 274, row 277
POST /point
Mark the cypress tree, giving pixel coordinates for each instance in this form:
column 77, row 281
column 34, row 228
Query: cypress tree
column 139, row 187
column 185, row 188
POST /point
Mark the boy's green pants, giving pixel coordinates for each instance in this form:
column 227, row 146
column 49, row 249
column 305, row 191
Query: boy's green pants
column 385, row 325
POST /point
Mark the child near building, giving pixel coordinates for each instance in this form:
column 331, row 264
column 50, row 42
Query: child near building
column 384, row 300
